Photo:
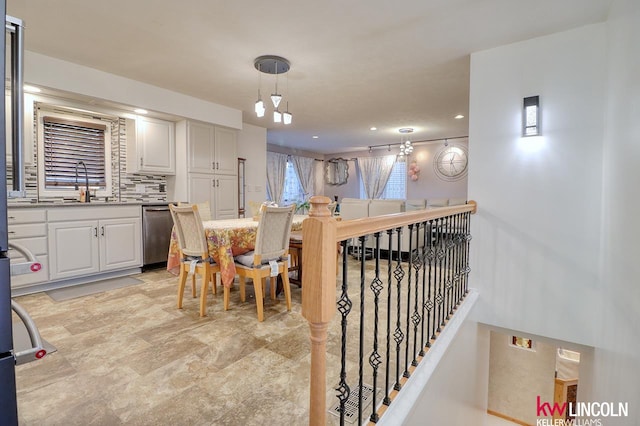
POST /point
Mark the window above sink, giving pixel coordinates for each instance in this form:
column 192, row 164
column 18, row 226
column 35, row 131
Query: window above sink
column 67, row 143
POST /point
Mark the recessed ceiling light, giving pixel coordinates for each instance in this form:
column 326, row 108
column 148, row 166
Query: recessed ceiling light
column 32, row 89
column 140, row 111
column 459, row 116
column 373, row 128
column 314, row 136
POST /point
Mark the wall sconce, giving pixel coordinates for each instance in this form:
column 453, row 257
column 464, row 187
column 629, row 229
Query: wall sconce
column 531, row 116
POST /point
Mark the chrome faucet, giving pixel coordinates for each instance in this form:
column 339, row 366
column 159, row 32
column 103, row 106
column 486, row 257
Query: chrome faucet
column 87, row 194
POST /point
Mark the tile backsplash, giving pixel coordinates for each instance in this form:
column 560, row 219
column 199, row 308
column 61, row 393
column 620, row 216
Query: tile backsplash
column 125, row 187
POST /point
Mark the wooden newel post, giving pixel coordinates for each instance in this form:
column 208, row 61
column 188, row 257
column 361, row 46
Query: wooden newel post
column 318, row 296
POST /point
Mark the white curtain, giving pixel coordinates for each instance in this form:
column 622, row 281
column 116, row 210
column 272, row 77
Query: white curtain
column 375, row 172
column 276, row 170
column 304, row 167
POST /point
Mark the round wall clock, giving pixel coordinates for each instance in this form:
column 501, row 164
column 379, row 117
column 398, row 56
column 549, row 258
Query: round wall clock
column 451, row 163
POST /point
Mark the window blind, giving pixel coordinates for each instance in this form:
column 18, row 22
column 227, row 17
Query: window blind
column 66, row 143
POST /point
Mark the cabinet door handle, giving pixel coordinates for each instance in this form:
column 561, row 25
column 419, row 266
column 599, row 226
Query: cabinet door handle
column 140, row 161
column 11, row 232
column 11, row 217
column 213, row 165
column 102, row 231
column 95, row 231
column 217, row 165
column 218, row 183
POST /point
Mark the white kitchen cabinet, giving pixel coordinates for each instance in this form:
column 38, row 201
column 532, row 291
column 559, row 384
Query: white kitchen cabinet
column 91, row 240
column 226, row 152
column 27, row 227
column 211, row 149
column 120, row 243
column 220, row 191
column 151, row 146
column 74, row 249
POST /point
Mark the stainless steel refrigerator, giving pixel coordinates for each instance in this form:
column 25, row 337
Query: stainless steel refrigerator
column 8, row 404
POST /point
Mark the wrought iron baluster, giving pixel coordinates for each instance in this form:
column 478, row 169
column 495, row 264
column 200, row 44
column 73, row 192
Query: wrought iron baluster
column 423, row 256
column 344, row 307
column 456, row 262
column 387, row 391
column 449, row 268
column 416, row 317
column 398, row 336
column 407, row 330
column 440, row 270
column 467, row 269
column 362, row 240
column 375, row 359
column 430, row 256
column 459, row 264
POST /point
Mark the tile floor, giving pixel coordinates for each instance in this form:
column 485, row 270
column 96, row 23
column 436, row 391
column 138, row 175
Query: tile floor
column 128, row 356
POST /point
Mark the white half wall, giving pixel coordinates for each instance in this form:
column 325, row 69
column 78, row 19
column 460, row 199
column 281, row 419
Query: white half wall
column 535, row 255
column 456, row 392
column 41, row 70
column 252, row 145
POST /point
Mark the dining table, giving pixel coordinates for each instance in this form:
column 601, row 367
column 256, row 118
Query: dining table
column 226, row 238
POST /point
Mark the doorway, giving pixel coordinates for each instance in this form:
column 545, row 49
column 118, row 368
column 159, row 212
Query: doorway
column 525, row 373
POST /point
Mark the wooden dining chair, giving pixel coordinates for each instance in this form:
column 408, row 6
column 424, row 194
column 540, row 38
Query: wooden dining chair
column 194, row 252
column 271, row 248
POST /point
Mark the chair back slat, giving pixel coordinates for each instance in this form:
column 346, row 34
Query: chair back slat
column 189, row 230
column 272, row 236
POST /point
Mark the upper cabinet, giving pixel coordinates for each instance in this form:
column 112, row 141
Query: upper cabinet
column 151, row 146
column 211, row 149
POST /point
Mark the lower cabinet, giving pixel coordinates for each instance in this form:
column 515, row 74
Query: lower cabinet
column 73, row 249
column 221, row 191
column 85, row 247
column 120, row 244
column 28, row 228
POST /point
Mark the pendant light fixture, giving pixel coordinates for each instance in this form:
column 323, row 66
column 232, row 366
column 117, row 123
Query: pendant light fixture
column 286, row 116
column 276, row 97
column 259, row 107
column 270, row 64
column 405, row 145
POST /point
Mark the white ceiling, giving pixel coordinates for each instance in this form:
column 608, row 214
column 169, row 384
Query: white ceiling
column 354, row 63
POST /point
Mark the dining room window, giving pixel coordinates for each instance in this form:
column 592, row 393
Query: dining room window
column 396, row 187
column 293, row 192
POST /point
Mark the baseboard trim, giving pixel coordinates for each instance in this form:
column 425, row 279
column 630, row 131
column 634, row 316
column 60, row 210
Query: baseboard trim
column 51, row 285
column 509, row 418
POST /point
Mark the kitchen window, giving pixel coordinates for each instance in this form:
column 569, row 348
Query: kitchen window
column 66, row 145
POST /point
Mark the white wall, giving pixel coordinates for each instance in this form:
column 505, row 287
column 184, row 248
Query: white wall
column 428, row 185
column 53, row 73
column 617, row 356
column 252, row 145
column 535, row 255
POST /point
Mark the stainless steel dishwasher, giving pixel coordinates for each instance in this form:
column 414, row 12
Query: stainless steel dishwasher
column 156, row 233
